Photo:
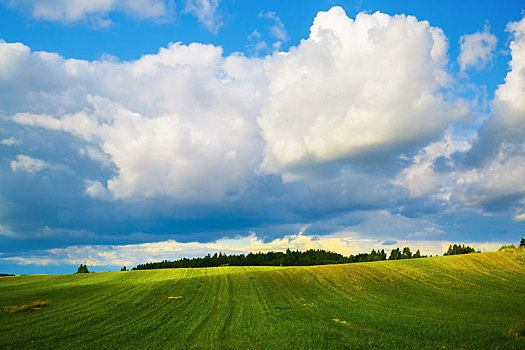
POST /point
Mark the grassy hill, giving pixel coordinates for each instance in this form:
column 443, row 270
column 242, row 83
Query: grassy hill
column 453, row 302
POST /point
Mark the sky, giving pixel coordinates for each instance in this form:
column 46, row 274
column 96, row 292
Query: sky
column 144, row 130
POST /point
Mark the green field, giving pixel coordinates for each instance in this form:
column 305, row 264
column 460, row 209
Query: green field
column 453, row 302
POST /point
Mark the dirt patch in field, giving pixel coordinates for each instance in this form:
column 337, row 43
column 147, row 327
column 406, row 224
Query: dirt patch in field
column 34, row 306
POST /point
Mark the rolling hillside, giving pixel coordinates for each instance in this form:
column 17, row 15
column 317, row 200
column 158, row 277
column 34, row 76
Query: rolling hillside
column 454, row 302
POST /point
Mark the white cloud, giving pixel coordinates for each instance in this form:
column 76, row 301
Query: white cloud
column 27, row 164
column 95, row 189
column 164, row 156
column 257, row 46
column 196, row 136
column 97, row 155
column 277, row 29
column 191, row 124
column 96, row 11
column 501, row 177
column 512, row 92
column 421, row 179
column 500, row 151
column 206, row 12
column 355, row 89
column 11, row 141
column 477, row 50
column 118, row 255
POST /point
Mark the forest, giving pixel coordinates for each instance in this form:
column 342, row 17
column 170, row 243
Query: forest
column 288, row 258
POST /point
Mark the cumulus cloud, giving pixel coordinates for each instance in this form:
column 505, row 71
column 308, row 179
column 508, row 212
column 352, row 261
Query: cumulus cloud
column 164, row 156
column 11, row 141
column 497, row 159
column 420, row 178
column 476, row 50
column 486, row 171
column 179, row 124
column 355, row 90
column 27, row 164
column 192, row 125
column 206, row 12
column 96, row 11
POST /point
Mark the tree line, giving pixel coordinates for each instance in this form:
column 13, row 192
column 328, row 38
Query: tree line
column 298, row 258
column 295, row 258
column 459, row 249
column 288, row 258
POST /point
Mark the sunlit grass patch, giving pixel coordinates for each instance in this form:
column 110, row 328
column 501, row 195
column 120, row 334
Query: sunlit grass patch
column 341, row 321
column 457, row 302
column 35, row 305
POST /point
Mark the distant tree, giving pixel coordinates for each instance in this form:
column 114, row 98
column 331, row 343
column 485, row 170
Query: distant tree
column 522, row 243
column 82, row 269
column 459, row 249
column 407, row 254
column 123, row 269
column 373, row 256
column 417, row 254
column 395, row 254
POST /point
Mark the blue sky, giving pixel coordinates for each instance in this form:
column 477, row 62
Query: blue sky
column 138, row 130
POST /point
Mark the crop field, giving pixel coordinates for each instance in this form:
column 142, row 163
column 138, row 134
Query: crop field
column 474, row 301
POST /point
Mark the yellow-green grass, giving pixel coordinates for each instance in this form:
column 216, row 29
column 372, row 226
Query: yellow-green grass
column 456, row 302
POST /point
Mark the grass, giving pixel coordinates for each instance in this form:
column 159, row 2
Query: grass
column 33, row 306
column 474, row 301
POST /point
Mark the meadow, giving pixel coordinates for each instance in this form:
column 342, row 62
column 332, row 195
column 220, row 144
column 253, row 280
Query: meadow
column 474, row 301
